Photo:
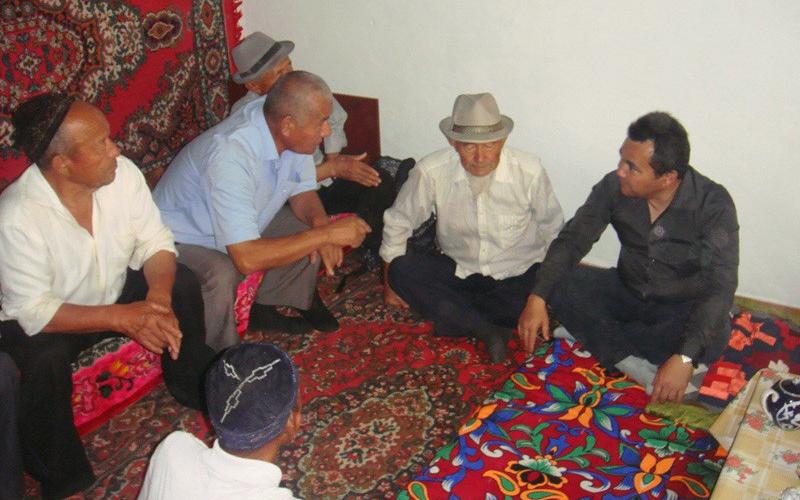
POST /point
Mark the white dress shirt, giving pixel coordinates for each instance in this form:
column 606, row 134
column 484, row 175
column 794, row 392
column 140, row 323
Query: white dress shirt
column 184, row 467
column 500, row 233
column 49, row 259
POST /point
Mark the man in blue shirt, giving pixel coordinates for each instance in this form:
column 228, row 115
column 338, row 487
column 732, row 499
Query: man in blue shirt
column 223, row 196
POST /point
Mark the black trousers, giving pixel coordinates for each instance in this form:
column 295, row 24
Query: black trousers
column 430, row 287
column 10, row 455
column 368, row 202
column 613, row 323
column 52, row 450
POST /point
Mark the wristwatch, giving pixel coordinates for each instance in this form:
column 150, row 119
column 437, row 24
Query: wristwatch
column 686, row 359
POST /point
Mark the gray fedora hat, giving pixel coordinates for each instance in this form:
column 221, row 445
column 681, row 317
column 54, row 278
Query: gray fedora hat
column 476, row 118
column 257, row 53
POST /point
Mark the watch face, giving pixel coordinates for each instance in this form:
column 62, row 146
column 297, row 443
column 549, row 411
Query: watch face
column 685, row 358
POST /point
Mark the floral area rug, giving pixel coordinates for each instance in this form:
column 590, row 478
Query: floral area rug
column 379, row 397
column 562, row 427
column 158, row 70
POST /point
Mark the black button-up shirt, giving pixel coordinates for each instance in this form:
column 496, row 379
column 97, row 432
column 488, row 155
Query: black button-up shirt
column 690, row 252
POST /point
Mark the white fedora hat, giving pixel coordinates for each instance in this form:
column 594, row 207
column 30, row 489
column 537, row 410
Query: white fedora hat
column 257, row 53
column 476, row 118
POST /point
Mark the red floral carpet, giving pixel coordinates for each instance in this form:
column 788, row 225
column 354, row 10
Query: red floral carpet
column 564, row 428
column 379, row 397
column 159, row 70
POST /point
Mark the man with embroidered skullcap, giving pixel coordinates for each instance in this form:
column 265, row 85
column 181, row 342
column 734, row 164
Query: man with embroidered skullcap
column 254, row 408
column 496, row 214
column 85, row 257
column 665, row 309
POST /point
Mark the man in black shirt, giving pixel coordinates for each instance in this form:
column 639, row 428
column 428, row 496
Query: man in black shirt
column 669, row 298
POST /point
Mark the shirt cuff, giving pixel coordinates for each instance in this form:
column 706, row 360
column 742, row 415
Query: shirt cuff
column 34, row 320
column 692, row 348
column 388, row 254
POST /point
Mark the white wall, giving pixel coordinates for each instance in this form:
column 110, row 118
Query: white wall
column 573, row 75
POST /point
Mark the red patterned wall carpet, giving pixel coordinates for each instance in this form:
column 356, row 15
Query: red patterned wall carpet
column 379, row 397
column 158, row 70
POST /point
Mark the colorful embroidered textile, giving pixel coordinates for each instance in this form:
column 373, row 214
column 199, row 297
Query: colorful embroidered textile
column 561, row 427
column 159, row 71
column 756, row 342
column 111, row 375
column 117, row 372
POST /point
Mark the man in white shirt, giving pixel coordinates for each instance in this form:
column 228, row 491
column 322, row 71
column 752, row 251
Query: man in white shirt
column 85, row 257
column 496, row 214
column 254, row 408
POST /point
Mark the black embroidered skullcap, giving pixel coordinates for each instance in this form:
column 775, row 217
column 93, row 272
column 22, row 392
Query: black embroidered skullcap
column 251, row 391
column 36, row 121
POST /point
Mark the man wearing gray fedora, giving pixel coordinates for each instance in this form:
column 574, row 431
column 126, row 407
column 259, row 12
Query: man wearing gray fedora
column 346, row 183
column 496, row 214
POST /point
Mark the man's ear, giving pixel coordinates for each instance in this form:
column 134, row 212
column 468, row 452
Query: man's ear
column 287, row 125
column 60, row 163
column 293, row 425
column 252, row 86
column 670, row 178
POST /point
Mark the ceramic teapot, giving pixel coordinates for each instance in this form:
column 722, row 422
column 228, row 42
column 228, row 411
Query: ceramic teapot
column 782, row 403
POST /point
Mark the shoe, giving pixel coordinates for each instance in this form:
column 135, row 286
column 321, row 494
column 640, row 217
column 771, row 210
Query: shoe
column 268, row 318
column 319, row 316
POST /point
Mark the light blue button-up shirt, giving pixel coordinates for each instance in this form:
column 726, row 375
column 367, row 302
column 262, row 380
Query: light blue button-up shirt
column 226, row 185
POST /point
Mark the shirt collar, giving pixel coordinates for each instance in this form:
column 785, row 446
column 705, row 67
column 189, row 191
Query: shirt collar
column 254, row 111
column 243, row 470
column 686, row 189
column 501, row 174
column 38, row 190
column 503, row 171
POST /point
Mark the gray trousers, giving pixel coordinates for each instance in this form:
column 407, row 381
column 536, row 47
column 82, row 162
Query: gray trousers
column 290, row 285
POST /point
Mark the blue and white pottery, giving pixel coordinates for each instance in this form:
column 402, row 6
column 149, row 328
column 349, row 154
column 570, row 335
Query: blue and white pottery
column 782, row 403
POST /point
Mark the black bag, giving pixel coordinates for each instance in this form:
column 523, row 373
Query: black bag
column 423, row 239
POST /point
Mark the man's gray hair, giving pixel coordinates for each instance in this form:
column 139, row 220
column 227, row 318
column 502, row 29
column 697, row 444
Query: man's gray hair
column 294, row 95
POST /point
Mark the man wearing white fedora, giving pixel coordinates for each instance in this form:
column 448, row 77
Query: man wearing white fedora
column 346, row 183
column 496, row 214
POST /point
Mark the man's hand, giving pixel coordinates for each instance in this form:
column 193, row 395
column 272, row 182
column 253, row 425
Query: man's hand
column 349, row 231
column 671, row 380
column 331, row 256
column 532, row 320
column 154, row 330
column 352, row 168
